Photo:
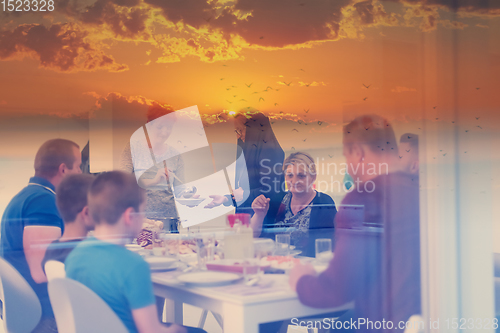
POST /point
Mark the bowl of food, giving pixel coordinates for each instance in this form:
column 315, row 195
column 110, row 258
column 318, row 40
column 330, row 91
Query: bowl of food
column 190, row 202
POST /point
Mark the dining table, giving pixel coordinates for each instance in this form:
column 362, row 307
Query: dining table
column 239, row 306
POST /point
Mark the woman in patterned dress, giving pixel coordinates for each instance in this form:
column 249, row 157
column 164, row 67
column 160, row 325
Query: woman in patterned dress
column 303, row 212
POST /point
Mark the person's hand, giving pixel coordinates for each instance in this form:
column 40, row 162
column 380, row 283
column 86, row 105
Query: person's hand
column 161, row 176
column 261, row 205
column 238, row 194
column 217, row 200
column 174, row 328
column 298, row 271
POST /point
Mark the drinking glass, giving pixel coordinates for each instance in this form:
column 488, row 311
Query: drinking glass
column 172, row 241
column 205, row 249
column 282, row 245
column 159, row 246
column 251, row 263
column 324, row 250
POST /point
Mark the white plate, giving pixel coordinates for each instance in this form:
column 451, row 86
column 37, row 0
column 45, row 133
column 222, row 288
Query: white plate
column 133, row 247
column 170, row 268
column 208, row 278
column 160, row 262
column 191, row 202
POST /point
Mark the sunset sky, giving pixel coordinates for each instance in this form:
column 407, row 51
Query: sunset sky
column 279, row 55
column 312, row 65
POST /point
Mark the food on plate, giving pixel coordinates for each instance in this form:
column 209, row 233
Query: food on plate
column 282, row 262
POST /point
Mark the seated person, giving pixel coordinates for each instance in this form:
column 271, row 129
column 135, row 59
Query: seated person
column 71, row 201
column 377, row 267
column 302, row 211
column 102, row 263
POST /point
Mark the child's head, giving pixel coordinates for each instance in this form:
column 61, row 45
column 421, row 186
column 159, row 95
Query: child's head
column 71, row 199
column 114, row 197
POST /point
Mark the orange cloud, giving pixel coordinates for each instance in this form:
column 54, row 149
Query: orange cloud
column 62, row 47
column 216, row 30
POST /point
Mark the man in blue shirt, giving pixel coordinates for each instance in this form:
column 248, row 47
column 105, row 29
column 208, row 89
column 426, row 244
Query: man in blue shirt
column 31, row 220
column 102, row 263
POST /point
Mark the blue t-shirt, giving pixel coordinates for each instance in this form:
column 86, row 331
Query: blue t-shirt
column 119, row 276
column 34, row 205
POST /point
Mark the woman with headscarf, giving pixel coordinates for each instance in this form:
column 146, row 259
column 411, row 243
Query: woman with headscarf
column 263, row 159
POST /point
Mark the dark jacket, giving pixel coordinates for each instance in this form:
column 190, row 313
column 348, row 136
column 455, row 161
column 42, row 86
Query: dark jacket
column 264, row 161
column 320, row 224
column 377, row 255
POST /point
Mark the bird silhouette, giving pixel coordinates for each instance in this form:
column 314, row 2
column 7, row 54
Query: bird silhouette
column 400, row 156
column 229, row 102
column 366, row 86
column 437, row 118
column 293, row 148
column 366, row 129
column 478, row 88
column 409, row 137
column 296, row 130
column 304, row 140
column 434, row 107
column 302, row 70
column 299, row 121
column 234, row 96
column 260, row 99
column 261, row 37
column 444, row 154
column 477, row 118
column 255, row 92
column 242, row 100
column 306, row 111
column 330, row 155
column 407, row 150
column 480, row 127
column 255, row 145
column 228, row 89
column 208, row 20
column 288, row 84
column 249, row 85
column 307, row 85
column 222, row 78
column 275, row 104
column 261, row 125
column 364, row 99
column 320, row 122
column 268, row 87
column 264, row 141
column 466, row 131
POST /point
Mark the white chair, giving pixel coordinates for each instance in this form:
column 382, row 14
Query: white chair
column 54, row 269
column 79, row 310
column 21, row 309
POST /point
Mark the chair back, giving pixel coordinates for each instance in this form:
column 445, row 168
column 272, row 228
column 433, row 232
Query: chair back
column 79, row 310
column 54, row 269
column 21, row 309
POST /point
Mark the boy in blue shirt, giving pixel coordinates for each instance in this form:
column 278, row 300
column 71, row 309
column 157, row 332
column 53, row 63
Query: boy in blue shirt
column 102, row 263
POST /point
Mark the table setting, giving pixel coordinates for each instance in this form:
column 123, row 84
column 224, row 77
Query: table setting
column 194, row 258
